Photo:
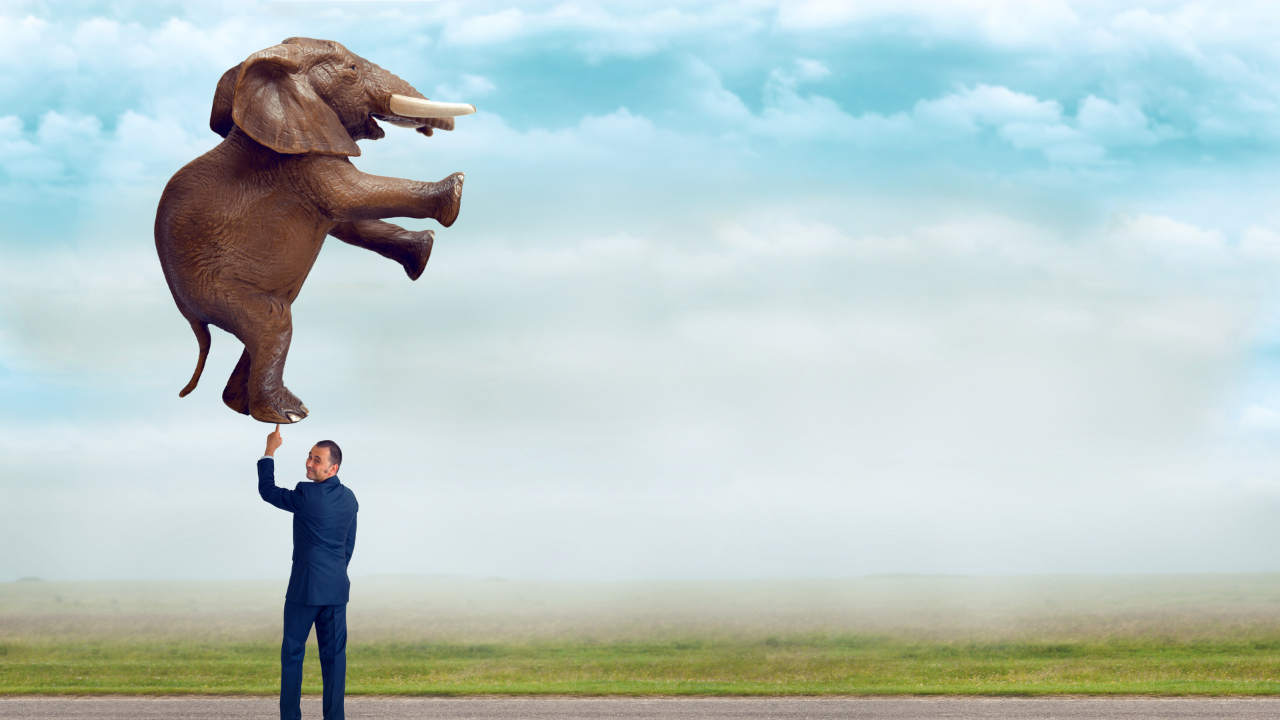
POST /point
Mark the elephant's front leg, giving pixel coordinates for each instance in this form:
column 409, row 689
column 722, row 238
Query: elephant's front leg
column 410, row 249
column 256, row 386
column 345, row 194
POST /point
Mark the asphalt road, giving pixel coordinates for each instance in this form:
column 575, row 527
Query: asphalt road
column 627, row 708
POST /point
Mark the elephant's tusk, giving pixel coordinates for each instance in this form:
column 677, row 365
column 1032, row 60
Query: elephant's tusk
column 406, row 106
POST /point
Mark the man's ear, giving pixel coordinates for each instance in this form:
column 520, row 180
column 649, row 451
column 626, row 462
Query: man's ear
column 276, row 105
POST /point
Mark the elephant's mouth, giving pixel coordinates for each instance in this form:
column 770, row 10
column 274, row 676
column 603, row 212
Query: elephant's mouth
column 422, row 125
column 399, row 121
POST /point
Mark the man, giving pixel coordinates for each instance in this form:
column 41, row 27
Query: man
column 324, row 536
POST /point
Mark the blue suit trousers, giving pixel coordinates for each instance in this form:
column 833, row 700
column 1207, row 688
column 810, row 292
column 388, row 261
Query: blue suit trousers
column 331, row 635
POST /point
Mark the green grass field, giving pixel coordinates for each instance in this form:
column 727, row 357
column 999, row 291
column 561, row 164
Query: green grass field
column 880, row 635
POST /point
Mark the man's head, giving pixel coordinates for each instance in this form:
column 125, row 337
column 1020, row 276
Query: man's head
column 323, row 460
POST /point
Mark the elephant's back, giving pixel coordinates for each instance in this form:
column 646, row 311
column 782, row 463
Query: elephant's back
column 198, row 205
column 224, row 224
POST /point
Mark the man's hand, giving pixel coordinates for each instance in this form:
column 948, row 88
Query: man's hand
column 274, row 441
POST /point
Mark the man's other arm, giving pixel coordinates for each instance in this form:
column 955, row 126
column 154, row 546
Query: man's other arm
column 278, row 496
column 351, row 539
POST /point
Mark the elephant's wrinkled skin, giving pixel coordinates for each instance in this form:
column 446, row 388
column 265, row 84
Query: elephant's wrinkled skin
column 239, row 228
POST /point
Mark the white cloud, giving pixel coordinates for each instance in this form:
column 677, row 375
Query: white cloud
column 1002, row 22
column 1171, row 241
column 788, row 114
column 1023, row 121
column 468, row 86
column 64, row 148
column 598, row 32
column 593, row 255
column 156, row 65
column 784, row 236
column 1259, row 243
column 1176, row 30
column 21, row 158
column 502, row 26
column 82, row 313
column 966, row 109
column 147, row 151
column 709, row 97
column 1259, row 419
column 58, row 139
column 811, row 69
column 1029, row 123
column 63, row 132
column 1121, row 123
column 616, row 125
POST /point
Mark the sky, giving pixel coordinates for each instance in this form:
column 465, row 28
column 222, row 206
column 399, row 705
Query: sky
column 738, row 290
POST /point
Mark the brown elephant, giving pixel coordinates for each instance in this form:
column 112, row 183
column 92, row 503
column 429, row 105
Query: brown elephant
column 239, row 228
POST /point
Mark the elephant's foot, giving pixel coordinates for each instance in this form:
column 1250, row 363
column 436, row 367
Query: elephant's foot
column 277, row 406
column 417, row 259
column 448, row 199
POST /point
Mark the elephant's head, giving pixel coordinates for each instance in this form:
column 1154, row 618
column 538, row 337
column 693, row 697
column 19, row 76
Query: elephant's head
column 315, row 96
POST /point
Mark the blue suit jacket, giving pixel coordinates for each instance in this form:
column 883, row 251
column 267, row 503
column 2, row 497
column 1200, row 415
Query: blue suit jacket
column 324, row 535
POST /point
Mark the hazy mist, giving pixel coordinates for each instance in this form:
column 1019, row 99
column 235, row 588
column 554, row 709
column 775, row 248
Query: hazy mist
column 780, row 291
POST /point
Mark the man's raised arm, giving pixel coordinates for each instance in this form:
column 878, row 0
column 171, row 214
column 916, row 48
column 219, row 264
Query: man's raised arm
column 278, row 496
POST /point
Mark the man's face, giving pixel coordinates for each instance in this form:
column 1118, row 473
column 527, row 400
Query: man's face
column 318, row 466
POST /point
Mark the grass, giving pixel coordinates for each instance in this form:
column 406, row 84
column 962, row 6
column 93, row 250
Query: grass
column 1206, row 635
column 775, row 666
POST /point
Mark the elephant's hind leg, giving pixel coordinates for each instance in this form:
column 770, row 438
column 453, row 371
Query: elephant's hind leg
column 256, row 386
column 236, row 393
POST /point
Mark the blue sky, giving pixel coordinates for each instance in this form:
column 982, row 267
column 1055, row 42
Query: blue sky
column 738, row 290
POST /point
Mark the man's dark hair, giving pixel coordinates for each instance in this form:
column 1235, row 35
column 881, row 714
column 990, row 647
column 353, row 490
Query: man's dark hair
column 335, row 452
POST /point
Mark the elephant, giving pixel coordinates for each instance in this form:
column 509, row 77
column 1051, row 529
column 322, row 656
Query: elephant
column 239, row 228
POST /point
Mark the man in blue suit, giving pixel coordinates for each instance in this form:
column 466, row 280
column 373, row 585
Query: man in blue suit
column 324, row 536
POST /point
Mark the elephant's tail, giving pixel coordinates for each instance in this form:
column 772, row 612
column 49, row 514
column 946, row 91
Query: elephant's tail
column 202, row 336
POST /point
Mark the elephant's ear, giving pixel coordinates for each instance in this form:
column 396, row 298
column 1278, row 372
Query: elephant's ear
column 276, row 105
column 220, row 119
